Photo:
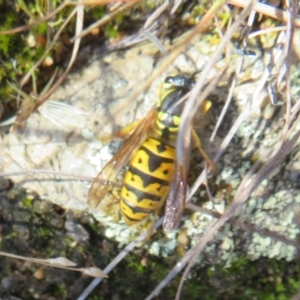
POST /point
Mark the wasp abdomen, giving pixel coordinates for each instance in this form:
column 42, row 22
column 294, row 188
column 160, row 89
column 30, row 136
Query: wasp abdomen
column 146, row 183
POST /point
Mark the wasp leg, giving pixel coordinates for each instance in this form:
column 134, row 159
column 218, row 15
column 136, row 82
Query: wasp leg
column 148, row 224
column 112, row 208
column 128, row 129
column 122, row 133
column 205, row 107
column 155, row 217
column 202, row 152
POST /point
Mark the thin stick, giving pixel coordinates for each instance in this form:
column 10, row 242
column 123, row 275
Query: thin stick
column 268, row 10
column 117, row 259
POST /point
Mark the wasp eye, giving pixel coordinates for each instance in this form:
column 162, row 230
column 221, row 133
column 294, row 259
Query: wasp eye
column 170, row 79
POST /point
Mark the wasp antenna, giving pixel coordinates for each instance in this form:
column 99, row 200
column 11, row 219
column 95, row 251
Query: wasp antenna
column 176, row 68
column 198, row 71
column 152, row 38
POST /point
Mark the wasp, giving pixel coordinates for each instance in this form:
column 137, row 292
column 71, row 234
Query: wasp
column 152, row 176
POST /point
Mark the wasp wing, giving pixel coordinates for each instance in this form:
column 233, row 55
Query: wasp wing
column 102, row 182
column 175, row 202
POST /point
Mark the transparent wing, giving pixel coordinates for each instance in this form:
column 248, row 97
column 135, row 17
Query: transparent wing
column 102, row 182
column 175, row 202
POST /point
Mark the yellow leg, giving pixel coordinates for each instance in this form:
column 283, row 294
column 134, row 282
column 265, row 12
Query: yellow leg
column 202, row 152
column 205, row 107
column 122, row 133
column 148, row 225
column 128, row 129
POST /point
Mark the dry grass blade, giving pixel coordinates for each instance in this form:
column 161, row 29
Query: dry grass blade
column 101, row 2
column 287, row 58
column 188, row 109
column 286, row 147
column 178, row 49
column 250, row 105
column 27, row 105
column 40, row 171
column 268, row 10
column 36, row 22
column 104, row 20
column 262, row 174
column 246, row 187
column 241, row 196
column 246, row 226
column 228, row 100
column 189, row 255
column 193, row 102
column 59, row 262
column 79, row 24
column 177, row 268
column 175, row 5
column 156, row 14
column 25, row 78
column 94, row 272
column 266, row 31
column 25, row 110
column 57, row 10
column 180, row 265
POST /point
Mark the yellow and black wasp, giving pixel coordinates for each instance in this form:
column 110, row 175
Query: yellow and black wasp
column 152, row 176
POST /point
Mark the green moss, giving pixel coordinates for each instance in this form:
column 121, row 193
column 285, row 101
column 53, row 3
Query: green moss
column 43, row 232
column 68, row 241
column 263, row 279
column 20, row 51
column 137, row 266
column 4, row 43
column 152, row 4
column 60, row 291
column 7, row 42
column 97, row 12
column 27, row 203
column 111, row 31
column 18, row 55
column 96, row 298
column 96, row 227
column 293, row 283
